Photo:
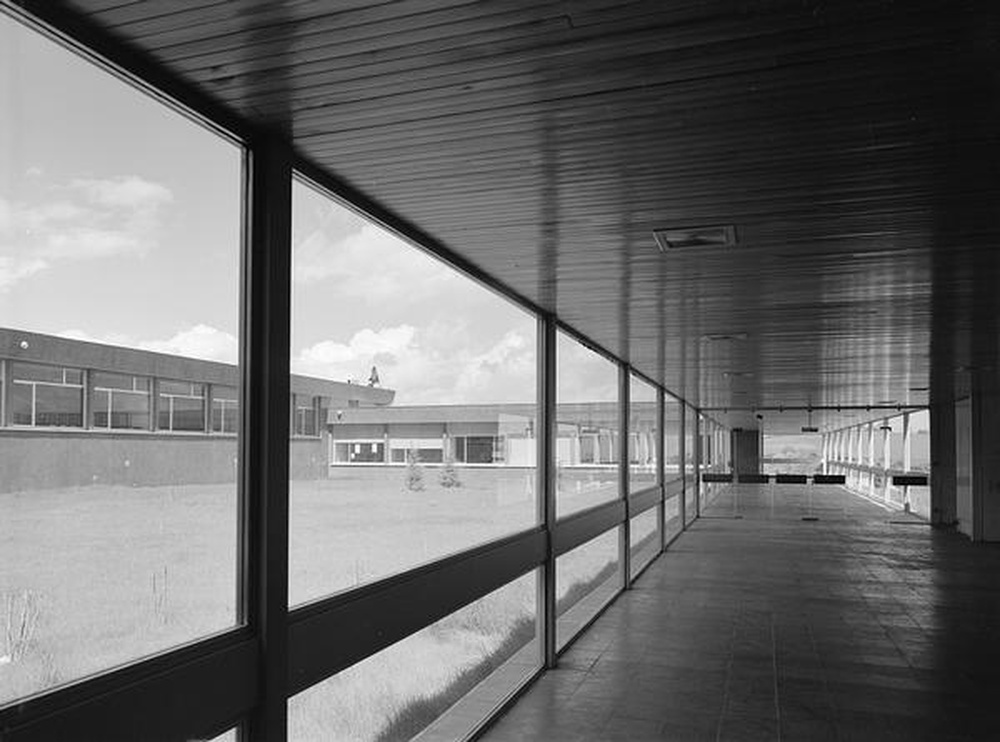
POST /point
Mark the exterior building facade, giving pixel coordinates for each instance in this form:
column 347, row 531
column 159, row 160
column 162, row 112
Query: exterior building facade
column 75, row 413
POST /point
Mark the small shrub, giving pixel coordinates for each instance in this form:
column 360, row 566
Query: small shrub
column 21, row 613
column 414, row 478
column 449, row 474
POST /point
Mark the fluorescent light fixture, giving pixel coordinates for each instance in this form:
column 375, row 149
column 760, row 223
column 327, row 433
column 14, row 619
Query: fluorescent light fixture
column 809, row 429
column 681, row 237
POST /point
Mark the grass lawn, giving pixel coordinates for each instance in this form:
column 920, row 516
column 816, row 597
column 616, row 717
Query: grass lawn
column 94, row 577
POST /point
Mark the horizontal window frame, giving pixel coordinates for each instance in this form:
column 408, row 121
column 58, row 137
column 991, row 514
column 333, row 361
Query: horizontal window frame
column 643, row 500
column 579, row 528
column 331, row 634
column 181, row 693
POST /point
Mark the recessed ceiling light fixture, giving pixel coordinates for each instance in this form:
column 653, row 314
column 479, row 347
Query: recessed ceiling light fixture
column 681, row 237
column 719, row 336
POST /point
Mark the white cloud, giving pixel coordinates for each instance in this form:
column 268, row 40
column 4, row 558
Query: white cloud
column 444, row 363
column 90, row 218
column 12, row 271
column 365, row 260
column 200, row 341
column 123, row 192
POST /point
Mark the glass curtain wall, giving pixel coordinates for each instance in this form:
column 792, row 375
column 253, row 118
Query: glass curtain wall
column 120, row 244
column 690, row 464
column 412, row 419
column 422, row 416
column 587, row 459
column 425, row 393
column 643, row 469
column 673, row 485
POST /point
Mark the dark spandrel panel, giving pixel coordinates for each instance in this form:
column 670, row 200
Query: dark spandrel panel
column 119, row 254
column 829, row 479
column 790, row 479
column 416, row 437
column 912, row 480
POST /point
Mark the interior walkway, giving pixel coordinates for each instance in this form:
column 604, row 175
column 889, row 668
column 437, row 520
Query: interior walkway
column 766, row 626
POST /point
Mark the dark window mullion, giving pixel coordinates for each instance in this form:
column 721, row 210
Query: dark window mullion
column 265, row 421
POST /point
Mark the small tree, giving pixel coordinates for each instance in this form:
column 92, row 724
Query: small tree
column 449, row 474
column 414, row 479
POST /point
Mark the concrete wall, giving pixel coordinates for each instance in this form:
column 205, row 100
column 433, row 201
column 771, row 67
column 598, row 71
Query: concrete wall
column 31, row 460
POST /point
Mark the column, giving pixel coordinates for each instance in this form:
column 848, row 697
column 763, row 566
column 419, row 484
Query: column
column 943, row 462
column 907, row 450
column 986, row 454
column 870, row 435
column 886, row 458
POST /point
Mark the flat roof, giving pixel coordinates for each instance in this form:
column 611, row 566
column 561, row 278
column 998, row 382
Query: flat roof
column 35, row 347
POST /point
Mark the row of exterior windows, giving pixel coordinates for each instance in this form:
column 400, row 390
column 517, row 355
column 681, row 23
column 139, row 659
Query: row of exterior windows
column 53, row 397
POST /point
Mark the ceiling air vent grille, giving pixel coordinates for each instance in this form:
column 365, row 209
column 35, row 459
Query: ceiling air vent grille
column 689, row 237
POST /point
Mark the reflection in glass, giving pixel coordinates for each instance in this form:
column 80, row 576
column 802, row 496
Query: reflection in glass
column 642, row 435
column 587, row 414
column 587, row 578
column 413, row 428
column 441, row 681
column 119, row 264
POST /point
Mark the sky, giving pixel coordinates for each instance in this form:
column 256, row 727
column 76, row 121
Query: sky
column 120, row 223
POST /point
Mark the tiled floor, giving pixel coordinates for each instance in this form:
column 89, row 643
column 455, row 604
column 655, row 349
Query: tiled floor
column 758, row 625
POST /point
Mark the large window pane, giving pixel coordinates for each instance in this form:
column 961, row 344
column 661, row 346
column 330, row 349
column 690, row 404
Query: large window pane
column 442, row 681
column 46, row 396
column 587, row 578
column 587, row 414
column 225, row 409
column 920, row 441
column 690, row 463
column 643, row 435
column 672, row 509
column 119, row 260
column 672, row 464
column 182, row 406
column 644, row 539
column 413, row 434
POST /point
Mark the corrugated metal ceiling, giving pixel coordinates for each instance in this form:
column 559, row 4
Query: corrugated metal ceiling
column 848, row 142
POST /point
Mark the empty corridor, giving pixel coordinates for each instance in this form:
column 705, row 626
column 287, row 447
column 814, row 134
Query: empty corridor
column 760, row 625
